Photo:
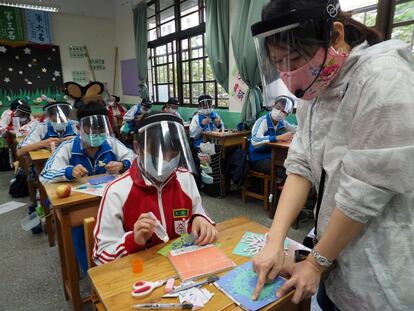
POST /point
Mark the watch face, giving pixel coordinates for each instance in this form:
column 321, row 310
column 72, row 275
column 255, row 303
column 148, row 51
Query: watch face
column 323, row 261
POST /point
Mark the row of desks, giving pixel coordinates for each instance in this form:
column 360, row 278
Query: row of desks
column 70, row 212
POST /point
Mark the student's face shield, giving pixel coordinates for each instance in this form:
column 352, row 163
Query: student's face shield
column 162, row 148
column 288, row 44
column 59, row 115
column 205, row 106
column 284, row 104
column 24, row 116
column 95, row 130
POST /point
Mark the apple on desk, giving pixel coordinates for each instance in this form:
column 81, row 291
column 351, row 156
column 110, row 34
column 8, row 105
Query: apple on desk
column 63, row 191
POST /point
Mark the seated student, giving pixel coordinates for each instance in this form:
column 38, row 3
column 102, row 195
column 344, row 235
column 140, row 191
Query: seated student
column 115, row 111
column 7, row 115
column 270, row 128
column 204, row 120
column 133, row 114
column 172, row 106
column 93, row 151
column 23, row 114
column 57, row 128
column 160, row 181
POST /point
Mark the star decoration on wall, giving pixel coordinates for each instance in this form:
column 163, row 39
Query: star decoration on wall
column 10, row 69
column 29, row 65
column 3, row 49
column 20, row 72
column 53, row 79
column 27, row 51
column 56, row 73
column 44, row 69
column 6, row 79
column 17, row 57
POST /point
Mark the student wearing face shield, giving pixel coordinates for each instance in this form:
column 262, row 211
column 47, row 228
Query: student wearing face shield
column 270, row 128
column 93, row 151
column 204, row 120
column 160, row 181
column 116, row 111
column 134, row 113
column 355, row 144
column 172, row 106
column 7, row 115
column 56, row 129
column 17, row 121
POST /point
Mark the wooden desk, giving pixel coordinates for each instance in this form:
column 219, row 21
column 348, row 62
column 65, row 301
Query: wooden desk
column 38, row 159
column 226, row 139
column 279, row 155
column 113, row 281
column 69, row 212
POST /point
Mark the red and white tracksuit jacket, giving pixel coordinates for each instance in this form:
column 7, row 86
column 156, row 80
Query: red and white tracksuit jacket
column 130, row 195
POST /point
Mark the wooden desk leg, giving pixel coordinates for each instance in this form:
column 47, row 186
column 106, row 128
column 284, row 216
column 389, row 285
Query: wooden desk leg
column 272, row 174
column 62, row 255
column 71, row 264
column 48, row 214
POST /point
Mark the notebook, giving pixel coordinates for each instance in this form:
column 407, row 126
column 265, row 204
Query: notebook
column 239, row 285
column 197, row 261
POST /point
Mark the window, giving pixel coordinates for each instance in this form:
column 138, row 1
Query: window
column 403, row 23
column 178, row 63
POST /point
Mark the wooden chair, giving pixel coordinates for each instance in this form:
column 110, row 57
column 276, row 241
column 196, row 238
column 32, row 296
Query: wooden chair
column 257, row 175
column 88, row 227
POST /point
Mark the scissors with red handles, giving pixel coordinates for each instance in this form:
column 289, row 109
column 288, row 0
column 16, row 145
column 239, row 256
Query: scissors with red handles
column 143, row 288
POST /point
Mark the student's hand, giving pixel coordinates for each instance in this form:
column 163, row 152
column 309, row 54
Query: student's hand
column 203, row 231
column 46, row 143
column 304, row 276
column 66, row 138
column 144, row 228
column 285, row 137
column 205, row 121
column 217, row 121
column 79, row 171
column 114, row 167
column 267, row 264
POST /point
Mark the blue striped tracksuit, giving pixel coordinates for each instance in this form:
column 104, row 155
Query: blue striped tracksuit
column 60, row 165
column 196, row 127
column 265, row 131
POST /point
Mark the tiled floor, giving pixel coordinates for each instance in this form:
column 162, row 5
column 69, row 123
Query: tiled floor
column 29, row 268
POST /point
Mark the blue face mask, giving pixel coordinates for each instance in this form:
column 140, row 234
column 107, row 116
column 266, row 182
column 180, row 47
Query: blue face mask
column 95, row 140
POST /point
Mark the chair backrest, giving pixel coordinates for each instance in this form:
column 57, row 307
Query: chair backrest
column 88, row 226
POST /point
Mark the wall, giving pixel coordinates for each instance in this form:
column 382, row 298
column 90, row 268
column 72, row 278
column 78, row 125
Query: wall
column 125, row 41
column 96, row 33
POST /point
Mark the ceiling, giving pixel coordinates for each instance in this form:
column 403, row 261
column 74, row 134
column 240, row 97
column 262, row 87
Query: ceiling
column 96, row 8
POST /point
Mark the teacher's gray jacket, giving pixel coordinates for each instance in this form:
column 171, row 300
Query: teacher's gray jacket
column 361, row 131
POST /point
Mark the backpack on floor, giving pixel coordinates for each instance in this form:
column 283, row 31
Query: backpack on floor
column 18, row 188
column 5, row 159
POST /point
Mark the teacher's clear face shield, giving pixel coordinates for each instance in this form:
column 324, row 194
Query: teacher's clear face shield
column 289, row 45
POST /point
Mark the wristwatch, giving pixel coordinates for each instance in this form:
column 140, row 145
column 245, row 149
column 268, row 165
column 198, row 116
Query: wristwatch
column 321, row 260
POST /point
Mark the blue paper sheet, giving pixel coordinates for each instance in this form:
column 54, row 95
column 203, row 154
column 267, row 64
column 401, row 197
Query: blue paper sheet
column 101, row 180
column 240, row 283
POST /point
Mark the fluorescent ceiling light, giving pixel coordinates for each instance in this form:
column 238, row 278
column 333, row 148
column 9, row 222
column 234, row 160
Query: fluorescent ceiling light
column 30, row 6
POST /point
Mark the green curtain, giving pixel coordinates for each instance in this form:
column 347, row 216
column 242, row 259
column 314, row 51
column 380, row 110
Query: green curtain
column 141, row 42
column 217, row 39
column 248, row 12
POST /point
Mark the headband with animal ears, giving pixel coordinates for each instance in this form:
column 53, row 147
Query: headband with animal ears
column 89, row 92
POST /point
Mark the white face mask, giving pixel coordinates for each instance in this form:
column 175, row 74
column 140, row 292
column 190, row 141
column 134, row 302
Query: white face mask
column 58, row 127
column 172, row 110
column 205, row 111
column 168, row 167
column 277, row 115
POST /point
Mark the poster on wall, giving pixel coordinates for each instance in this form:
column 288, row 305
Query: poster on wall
column 129, row 77
column 30, row 71
column 77, row 51
column 11, row 24
column 240, row 88
column 38, row 27
column 80, row 76
column 98, row 64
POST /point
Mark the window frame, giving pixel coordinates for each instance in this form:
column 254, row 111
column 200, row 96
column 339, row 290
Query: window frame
column 178, row 63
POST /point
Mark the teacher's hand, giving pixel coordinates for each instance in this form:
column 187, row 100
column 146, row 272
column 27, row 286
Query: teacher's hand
column 305, row 277
column 267, row 264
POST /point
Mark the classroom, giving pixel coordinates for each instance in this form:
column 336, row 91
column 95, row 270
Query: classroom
column 206, row 154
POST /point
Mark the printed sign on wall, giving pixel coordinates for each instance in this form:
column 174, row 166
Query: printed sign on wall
column 38, row 26
column 80, row 76
column 98, row 64
column 77, row 51
column 11, row 24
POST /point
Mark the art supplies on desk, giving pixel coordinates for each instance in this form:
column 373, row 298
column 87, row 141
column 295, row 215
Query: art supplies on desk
column 101, row 180
column 197, row 261
column 87, row 188
column 183, row 241
column 239, row 285
column 251, row 243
